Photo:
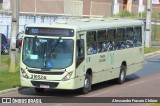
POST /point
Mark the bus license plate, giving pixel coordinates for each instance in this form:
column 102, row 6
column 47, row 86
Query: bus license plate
column 44, row 86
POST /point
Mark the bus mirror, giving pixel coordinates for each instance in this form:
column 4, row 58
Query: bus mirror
column 80, row 43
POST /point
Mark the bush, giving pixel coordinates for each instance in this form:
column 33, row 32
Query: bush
column 143, row 14
column 156, row 15
column 125, row 14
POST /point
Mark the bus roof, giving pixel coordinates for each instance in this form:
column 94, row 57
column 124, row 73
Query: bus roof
column 90, row 24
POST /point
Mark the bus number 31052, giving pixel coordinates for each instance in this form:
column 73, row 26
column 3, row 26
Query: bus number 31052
column 34, row 76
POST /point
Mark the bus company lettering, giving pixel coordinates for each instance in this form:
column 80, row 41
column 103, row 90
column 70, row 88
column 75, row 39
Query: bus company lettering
column 102, row 58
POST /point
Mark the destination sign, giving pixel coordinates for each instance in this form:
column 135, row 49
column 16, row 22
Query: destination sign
column 49, row 31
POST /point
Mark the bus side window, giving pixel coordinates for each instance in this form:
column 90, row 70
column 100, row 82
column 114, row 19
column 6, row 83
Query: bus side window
column 129, row 38
column 91, row 43
column 120, row 36
column 80, row 51
column 111, row 34
column 138, row 36
column 102, row 41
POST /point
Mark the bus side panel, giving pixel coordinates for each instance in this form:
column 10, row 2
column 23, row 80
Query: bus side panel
column 80, row 75
column 92, row 62
column 103, row 60
column 115, row 59
column 112, row 69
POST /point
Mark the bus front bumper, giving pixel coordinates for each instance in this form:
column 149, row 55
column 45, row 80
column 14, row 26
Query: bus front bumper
column 69, row 84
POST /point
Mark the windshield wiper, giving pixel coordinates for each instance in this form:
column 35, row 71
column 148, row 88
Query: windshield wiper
column 57, row 43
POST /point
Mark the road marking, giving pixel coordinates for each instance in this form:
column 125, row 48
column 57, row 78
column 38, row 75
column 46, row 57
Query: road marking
column 135, row 83
column 99, row 93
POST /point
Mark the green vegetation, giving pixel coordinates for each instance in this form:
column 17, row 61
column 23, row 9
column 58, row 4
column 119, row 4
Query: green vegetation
column 156, row 104
column 140, row 15
column 149, row 50
column 143, row 14
column 4, row 61
column 156, row 15
column 7, row 79
column 124, row 14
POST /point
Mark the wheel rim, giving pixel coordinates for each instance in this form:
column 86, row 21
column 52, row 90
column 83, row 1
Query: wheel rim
column 86, row 83
column 122, row 76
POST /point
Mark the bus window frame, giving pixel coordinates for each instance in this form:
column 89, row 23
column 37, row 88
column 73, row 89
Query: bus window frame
column 113, row 40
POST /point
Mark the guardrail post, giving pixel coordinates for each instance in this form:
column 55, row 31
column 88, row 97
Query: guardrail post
column 155, row 29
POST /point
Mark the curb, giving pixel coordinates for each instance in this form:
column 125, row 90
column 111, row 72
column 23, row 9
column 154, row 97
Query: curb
column 17, row 88
column 9, row 90
column 151, row 54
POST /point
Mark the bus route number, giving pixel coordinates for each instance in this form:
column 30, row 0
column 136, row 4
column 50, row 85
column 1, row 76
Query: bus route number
column 34, row 76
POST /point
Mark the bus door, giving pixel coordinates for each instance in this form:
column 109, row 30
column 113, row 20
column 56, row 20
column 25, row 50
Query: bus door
column 80, row 55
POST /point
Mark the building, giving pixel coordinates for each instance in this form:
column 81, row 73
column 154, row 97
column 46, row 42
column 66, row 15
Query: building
column 80, row 7
column 33, row 11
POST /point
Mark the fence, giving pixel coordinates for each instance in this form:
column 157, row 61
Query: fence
column 156, row 30
column 5, row 22
column 100, row 9
column 105, row 9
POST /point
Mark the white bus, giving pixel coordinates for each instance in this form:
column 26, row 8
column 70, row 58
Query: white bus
column 77, row 54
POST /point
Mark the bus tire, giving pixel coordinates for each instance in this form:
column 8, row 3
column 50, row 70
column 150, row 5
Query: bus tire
column 39, row 90
column 87, row 84
column 122, row 75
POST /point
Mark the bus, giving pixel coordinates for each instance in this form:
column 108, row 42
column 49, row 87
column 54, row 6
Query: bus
column 76, row 54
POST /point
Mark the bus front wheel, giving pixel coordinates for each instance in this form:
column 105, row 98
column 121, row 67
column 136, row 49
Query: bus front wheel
column 87, row 84
column 122, row 75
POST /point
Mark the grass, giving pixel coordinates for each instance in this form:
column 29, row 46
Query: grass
column 8, row 79
column 4, row 60
column 156, row 104
column 149, row 50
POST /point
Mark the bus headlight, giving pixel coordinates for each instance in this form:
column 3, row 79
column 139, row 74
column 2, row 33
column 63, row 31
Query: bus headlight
column 24, row 74
column 67, row 77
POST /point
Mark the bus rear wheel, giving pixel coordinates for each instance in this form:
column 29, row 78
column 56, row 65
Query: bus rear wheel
column 87, row 84
column 122, row 75
column 39, row 90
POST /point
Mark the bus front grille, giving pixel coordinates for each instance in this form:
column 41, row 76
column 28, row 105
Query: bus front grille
column 38, row 83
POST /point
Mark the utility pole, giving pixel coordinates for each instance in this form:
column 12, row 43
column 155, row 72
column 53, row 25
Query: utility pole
column 148, row 23
column 14, row 31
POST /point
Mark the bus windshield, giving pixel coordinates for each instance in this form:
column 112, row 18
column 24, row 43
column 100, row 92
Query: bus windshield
column 47, row 53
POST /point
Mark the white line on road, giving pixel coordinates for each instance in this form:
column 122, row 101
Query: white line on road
column 99, row 93
column 135, row 83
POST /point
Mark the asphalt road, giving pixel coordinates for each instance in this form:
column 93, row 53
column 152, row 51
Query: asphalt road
column 144, row 83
